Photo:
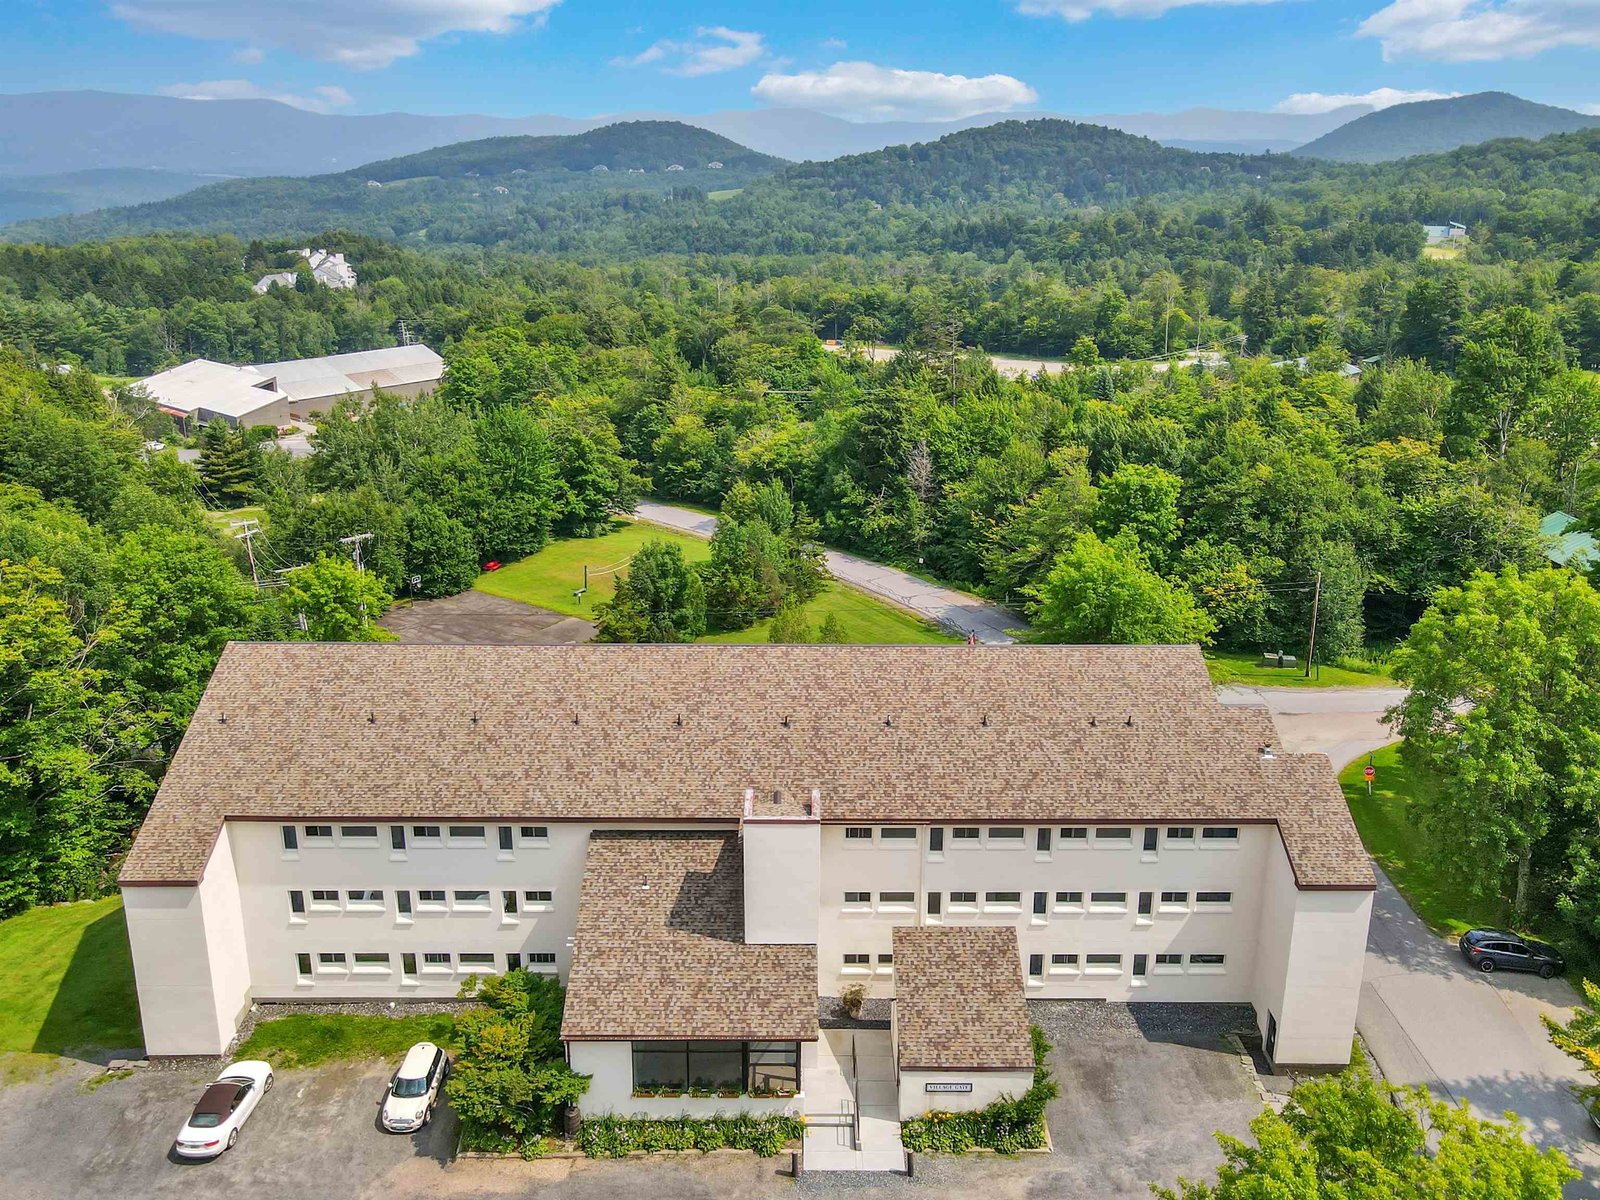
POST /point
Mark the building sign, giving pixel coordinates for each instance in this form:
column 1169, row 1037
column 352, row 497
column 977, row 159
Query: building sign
column 947, row 1087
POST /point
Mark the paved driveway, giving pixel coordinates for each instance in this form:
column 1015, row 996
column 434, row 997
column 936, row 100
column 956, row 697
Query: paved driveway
column 993, row 624
column 478, row 619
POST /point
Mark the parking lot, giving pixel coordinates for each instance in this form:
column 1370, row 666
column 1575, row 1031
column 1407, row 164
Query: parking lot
column 1142, row 1092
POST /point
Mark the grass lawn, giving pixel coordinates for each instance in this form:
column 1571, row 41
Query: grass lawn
column 723, row 194
column 1391, row 833
column 1246, row 669
column 66, row 980
column 549, row 577
column 866, row 621
column 303, row 1040
column 222, row 517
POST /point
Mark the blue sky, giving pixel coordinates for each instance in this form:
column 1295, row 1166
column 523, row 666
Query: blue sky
column 903, row 59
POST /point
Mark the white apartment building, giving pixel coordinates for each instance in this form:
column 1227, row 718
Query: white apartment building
column 701, row 841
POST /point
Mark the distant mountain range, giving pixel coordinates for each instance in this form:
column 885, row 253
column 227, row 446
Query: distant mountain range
column 1435, row 126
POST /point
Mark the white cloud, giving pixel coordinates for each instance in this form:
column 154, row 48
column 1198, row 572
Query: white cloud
column 1322, row 102
column 715, row 48
column 1082, row 10
column 250, row 55
column 866, row 91
column 834, row 43
column 319, row 99
column 1481, row 30
column 362, row 34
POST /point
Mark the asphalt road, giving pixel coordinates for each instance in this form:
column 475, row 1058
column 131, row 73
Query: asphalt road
column 993, row 624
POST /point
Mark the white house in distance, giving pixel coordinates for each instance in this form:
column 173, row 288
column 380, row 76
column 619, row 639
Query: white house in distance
column 281, row 393
column 1440, row 235
column 328, row 268
column 705, row 842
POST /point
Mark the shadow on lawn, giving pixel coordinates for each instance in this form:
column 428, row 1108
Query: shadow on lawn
column 95, row 1013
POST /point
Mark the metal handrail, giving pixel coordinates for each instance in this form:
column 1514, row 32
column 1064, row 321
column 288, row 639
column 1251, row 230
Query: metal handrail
column 855, row 1105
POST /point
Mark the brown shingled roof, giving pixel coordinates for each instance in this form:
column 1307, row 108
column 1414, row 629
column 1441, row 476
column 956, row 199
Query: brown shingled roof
column 958, row 999
column 294, row 731
column 660, row 950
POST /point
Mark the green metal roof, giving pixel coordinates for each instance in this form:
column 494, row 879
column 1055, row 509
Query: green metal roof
column 1567, row 549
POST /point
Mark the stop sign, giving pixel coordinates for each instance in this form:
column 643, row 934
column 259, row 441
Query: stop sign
column 1370, row 773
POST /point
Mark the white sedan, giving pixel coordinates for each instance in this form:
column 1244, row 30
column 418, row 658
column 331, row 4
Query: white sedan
column 222, row 1109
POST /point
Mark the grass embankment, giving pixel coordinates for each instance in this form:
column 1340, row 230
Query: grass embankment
column 550, row 577
column 223, row 518
column 305, row 1040
column 66, row 981
column 1247, row 671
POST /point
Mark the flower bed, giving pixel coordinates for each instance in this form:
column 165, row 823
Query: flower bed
column 617, row 1137
column 1007, row 1125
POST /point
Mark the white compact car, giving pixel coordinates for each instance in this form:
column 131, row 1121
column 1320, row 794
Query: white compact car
column 414, row 1090
column 222, row 1109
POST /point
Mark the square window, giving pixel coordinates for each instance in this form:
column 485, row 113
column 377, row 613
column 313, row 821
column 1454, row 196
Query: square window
column 331, row 958
column 858, row 833
column 426, row 833
column 324, row 896
column 1180, row 833
column 430, row 895
column 545, row 958
column 367, row 896
column 535, row 833
column 963, row 897
column 965, row 833
column 1069, row 897
column 1075, row 833
column 538, row 896
column 1063, row 960
column 857, row 960
column 435, row 958
column 1174, row 897
column 886, row 960
column 318, row 832
column 1169, row 960
column 858, row 897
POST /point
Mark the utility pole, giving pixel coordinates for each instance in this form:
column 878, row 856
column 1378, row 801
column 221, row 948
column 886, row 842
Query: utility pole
column 248, row 530
column 1316, row 602
column 354, row 542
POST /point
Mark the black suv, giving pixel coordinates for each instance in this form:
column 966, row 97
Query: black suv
column 1496, row 950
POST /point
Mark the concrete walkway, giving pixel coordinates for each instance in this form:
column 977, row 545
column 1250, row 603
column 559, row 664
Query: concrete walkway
column 959, row 612
column 855, row 1070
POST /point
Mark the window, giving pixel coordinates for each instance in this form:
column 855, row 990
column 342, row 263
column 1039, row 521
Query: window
column 1207, row 960
column 936, row 840
column 545, row 958
column 858, row 833
column 671, row 1068
column 1220, row 833
column 1040, row 901
column 1069, row 897
column 1144, row 904
column 1150, row 835
column 857, row 960
column 324, row 896
column 508, row 903
column 430, row 896
column 1174, row 898
column 397, row 837
column 858, row 897
column 513, row 962
column 535, row 833
column 933, row 904
column 897, row 833
column 1035, row 965
column 374, row 958
column 425, row 833
column 965, row 833
column 302, row 964
column 1180, row 833
column 1002, row 897
column 297, row 902
column 774, row 1067
column 367, row 896
column 886, row 960
column 472, row 897
column 1041, row 841
column 1008, row 834
column 1108, row 898
column 1169, row 960
column 505, row 837
column 318, row 832
column 408, row 964
column 361, row 832
column 963, row 897
column 466, row 833
column 1213, row 897
column 1141, row 964
column 435, row 958
column 1113, row 833
column 1105, row 960
column 476, row 958
column 897, row 898
column 402, row 903
column 1063, row 960
column 1075, row 833
column 291, row 839
column 331, row 958
column 538, row 896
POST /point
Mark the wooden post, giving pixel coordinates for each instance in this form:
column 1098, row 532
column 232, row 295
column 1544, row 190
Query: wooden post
column 1316, row 602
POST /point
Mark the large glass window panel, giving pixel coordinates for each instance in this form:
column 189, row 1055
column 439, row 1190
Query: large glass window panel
column 774, row 1067
column 660, row 1066
column 716, row 1066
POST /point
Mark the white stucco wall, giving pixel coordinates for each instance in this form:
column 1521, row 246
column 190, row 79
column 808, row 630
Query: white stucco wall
column 782, row 881
column 610, row 1066
column 987, row 1087
column 986, row 866
column 190, row 965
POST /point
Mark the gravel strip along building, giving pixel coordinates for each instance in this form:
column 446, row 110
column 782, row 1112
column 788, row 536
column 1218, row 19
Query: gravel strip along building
column 702, row 841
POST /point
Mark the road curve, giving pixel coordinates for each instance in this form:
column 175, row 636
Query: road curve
column 992, row 624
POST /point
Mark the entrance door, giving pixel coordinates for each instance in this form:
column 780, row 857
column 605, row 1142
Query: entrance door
column 1272, row 1038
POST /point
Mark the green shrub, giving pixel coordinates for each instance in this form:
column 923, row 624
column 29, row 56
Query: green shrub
column 1007, row 1125
column 615, row 1137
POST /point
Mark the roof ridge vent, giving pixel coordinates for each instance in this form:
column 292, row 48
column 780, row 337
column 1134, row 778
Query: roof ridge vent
column 1267, row 751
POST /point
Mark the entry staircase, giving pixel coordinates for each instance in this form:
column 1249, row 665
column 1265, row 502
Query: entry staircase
column 852, row 1104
